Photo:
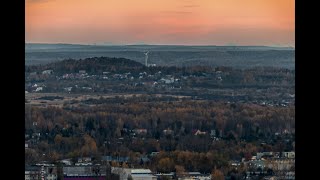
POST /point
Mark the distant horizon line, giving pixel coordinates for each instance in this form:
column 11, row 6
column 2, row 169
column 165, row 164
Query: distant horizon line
column 106, row 44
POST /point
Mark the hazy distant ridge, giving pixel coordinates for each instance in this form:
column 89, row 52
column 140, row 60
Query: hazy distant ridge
column 171, row 55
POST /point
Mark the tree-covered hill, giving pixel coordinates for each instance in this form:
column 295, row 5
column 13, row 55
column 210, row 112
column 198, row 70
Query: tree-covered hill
column 90, row 65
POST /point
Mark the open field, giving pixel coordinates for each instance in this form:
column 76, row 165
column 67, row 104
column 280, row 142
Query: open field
column 59, row 99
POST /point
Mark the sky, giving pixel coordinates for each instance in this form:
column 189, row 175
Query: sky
column 179, row 22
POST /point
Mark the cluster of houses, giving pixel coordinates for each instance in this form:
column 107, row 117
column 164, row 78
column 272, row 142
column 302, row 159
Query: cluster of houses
column 157, row 77
column 266, row 165
column 81, row 75
column 102, row 172
column 36, row 87
column 271, row 165
column 31, row 140
column 156, row 80
column 141, row 79
column 197, row 132
column 87, row 168
column 147, row 174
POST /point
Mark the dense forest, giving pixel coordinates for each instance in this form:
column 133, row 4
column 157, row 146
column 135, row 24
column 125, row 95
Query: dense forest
column 74, row 131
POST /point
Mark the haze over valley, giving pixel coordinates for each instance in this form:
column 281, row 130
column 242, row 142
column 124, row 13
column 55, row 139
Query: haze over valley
column 162, row 55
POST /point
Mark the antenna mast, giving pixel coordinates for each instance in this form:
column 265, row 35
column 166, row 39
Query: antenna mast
column 146, row 58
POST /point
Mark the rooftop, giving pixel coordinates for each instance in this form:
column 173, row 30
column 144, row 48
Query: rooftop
column 140, row 171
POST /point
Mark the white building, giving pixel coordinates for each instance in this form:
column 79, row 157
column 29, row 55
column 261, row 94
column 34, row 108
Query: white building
column 136, row 174
column 49, row 71
column 31, row 175
column 39, row 89
column 195, row 176
column 82, row 71
column 290, row 155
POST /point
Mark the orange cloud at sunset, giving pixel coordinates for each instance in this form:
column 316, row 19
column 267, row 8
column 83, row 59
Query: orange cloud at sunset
column 198, row 22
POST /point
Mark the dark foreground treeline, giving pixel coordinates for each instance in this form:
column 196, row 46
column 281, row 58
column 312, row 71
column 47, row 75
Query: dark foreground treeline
column 237, row 130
